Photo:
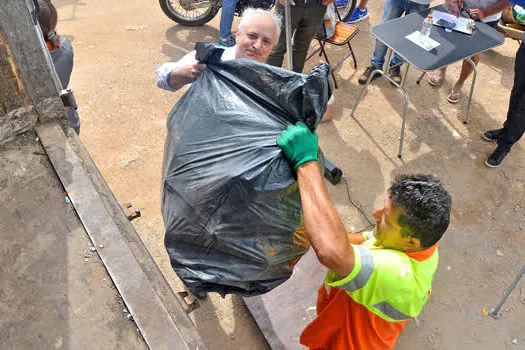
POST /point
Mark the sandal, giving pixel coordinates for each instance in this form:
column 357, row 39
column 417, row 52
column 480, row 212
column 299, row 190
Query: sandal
column 433, row 80
column 454, row 97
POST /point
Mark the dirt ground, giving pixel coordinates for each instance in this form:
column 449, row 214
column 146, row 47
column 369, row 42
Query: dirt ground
column 118, row 46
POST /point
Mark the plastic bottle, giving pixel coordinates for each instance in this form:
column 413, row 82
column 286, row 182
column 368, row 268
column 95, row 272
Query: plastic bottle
column 426, row 28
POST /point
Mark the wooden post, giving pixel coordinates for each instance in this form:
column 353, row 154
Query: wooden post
column 29, row 86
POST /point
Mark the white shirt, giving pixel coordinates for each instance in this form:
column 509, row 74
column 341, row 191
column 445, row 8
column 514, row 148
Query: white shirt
column 163, row 72
column 482, row 4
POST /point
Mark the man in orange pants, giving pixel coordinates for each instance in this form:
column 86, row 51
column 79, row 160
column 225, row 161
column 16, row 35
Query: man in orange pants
column 377, row 281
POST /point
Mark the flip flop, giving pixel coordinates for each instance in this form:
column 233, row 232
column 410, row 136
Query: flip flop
column 454, row 97
column 433, row 80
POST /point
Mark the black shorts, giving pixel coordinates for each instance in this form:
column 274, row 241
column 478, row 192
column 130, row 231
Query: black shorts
column 493, row 24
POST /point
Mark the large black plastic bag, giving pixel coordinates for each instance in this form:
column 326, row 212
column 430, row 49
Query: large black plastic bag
column 230, row 202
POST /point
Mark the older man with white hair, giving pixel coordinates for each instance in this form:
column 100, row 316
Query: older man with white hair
column 256, row 36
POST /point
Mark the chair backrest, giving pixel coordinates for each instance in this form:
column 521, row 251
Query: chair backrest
column 337, row 13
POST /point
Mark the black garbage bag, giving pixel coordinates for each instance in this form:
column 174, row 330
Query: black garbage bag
column 230, row 202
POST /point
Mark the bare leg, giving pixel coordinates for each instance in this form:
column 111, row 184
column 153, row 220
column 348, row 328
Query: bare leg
column 441, row 72
column 466, row 70
column 436, row 78
column 362, row 4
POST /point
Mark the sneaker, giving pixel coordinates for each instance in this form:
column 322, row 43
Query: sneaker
column 364, row 77
column 227, row 42
column 395, row 74
column 496, row 157
column 493, row 135
column 358, row 15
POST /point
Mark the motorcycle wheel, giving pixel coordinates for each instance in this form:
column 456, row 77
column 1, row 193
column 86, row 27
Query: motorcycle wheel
column 346, row 10
column 177, row 12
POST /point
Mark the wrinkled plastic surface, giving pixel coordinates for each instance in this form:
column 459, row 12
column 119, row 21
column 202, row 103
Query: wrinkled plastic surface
column 230, row 202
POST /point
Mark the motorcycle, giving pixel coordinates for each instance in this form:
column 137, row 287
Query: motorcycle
column 200, row 12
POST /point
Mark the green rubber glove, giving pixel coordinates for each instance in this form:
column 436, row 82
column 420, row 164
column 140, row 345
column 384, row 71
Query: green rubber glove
column 298, row 144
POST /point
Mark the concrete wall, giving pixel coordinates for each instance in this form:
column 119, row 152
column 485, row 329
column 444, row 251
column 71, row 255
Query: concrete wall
column 28, row 82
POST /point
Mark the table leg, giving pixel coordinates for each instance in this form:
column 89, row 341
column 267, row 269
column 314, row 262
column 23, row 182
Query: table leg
column 420, row 77
column 405, row 107
column 475, row 68
column 374, row 72
column 402, row 136
column 387, row 62
column 406, row 75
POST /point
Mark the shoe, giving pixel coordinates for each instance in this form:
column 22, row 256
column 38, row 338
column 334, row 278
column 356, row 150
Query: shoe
column 358, row 15
column 340, row 3
column 395, row 74
column 496, row 157
column 227, row 42
column 364, row 77
column 492, row 135
column 436, row 80
column 454, row 96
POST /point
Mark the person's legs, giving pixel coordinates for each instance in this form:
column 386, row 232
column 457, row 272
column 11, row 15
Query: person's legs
column 466, row 69
column 311, row 20
column 277, row 55
column 410, row 7
column 514, row 126
column 227, row 14
column 362, row 4
column 391, row 10
column 360, row 12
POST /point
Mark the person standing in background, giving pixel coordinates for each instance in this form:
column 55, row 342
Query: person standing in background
column 226, row 38
column 61, row 52
column 306, row 18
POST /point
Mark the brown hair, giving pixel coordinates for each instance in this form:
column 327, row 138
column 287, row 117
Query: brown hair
column 48, row 19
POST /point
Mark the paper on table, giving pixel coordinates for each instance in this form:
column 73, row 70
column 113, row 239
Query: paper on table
column 463, row 24
column 427, row 43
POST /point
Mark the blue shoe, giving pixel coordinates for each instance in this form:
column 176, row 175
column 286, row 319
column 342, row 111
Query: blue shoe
column 358, row 15
column 227, row 43
column 340, row 3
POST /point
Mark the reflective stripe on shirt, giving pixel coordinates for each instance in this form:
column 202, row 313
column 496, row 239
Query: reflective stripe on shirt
column 367, row 267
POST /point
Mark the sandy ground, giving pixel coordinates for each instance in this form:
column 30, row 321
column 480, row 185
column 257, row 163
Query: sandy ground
column 119, row 44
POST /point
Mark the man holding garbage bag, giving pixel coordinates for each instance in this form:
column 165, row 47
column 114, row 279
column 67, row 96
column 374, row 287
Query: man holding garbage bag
column 378, row 280
column 256, row 36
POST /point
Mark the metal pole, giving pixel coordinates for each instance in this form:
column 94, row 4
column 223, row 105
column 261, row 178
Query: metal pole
column 406, row 75
column 288, row 26
column 471, row 87
column 494, row 313
column 376, row 71
column 420, row 77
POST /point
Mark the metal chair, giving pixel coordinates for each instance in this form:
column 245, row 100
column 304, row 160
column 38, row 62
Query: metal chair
column 343, row 33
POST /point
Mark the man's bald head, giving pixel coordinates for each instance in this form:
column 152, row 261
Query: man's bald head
column 257, row 34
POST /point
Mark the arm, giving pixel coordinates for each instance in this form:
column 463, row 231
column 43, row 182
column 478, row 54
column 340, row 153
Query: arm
column 498, row 7
column 454, row 6
column 323, row 225
column 326, row 232
column 180, row 76
column 172, row 76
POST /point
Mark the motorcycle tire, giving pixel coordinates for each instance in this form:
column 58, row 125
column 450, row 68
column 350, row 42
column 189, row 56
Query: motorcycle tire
column 185, row 21
column 346, row 11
